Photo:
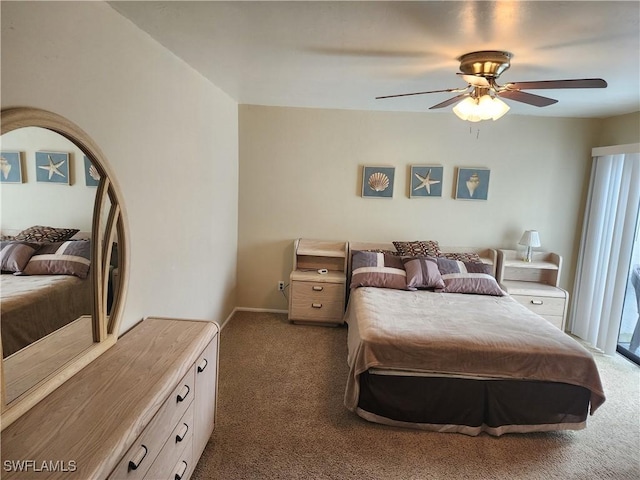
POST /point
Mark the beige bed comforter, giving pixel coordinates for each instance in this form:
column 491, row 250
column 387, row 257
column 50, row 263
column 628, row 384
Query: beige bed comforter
column 34, row 306
column 470, row 335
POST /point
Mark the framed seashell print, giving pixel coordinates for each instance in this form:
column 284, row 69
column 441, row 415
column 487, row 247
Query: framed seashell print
column 10, row 167
column 91, row 175
column 472, row 183
column 425, row 181
column 377, row 182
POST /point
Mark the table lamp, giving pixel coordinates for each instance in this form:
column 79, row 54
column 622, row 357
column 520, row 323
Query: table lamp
column 530, row 239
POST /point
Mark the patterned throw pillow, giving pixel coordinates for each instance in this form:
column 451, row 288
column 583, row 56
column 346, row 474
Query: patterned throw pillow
column 468, row 277
column 422, row 272
column 371, row 269
column 14, row 256
column 419, row 248
column 462, row 256
column 61, row 258
column 38, row 233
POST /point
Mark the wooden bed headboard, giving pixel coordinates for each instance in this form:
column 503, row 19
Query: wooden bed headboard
column 487, row 255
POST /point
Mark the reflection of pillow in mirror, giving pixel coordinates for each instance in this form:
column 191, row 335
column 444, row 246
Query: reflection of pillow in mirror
column 14, row 256
column 61, row 258
column 38, row 233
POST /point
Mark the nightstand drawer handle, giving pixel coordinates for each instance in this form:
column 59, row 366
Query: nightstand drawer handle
column 316, row 305
column 317, row 288
column 537, row 302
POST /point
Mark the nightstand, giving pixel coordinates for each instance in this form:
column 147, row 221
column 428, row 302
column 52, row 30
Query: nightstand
column 315, row 297
column 535, row 284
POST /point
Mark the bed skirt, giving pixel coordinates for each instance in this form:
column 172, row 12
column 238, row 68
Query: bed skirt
column 472, row 406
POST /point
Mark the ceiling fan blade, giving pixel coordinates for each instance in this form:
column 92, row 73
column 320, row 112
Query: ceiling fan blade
column 422, row 93
column 549, row 84
column 530, row 98
column 451, row 101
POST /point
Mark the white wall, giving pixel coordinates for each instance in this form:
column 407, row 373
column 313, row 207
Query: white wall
column 300, row 173
column 170, row 136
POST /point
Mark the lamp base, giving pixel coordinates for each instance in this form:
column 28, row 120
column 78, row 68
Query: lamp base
column 528, row 255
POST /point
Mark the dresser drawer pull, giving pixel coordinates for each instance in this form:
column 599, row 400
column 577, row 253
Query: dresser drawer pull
column 316, row 305
column 203, row 365
column 183, row 393
column 135, row 462
column 181, row 434
column 180, row 471
column 317, row 288
column 537, row 302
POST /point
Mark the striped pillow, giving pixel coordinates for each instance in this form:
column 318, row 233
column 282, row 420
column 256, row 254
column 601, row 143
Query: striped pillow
column 422, row 272
column 61, row 258
column 468, row 277
column 371, row 269
column 14, row 256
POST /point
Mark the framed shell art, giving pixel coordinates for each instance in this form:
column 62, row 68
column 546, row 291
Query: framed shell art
column 377, row 182
column 52, row 167
column 91, row 175
column 426, row 181
column 472, row 183
column 10, row 167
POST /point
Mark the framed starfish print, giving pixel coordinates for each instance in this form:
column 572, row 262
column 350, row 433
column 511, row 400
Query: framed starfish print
column 10, row 167
column 52, row 167
column 426, row 181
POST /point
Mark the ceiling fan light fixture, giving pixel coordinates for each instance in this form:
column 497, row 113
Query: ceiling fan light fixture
column 484, row 108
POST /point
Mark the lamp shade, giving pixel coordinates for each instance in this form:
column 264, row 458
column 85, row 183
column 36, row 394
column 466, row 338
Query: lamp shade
column 530, row 238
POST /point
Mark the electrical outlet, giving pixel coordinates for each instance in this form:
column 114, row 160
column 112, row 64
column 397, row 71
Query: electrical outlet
column 280, row 285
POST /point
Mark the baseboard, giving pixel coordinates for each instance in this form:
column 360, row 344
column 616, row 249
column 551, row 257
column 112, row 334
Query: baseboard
column 250, row 309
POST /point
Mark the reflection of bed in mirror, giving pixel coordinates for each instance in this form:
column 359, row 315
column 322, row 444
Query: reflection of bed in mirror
column 32, row 306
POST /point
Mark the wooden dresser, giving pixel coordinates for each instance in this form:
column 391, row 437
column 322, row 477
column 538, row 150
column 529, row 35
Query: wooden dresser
column 143, row 409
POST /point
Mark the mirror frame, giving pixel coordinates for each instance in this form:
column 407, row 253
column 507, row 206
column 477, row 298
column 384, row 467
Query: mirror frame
column 105, row 328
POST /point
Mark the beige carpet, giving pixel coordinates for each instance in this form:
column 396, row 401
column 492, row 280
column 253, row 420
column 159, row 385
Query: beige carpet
column 280, row 416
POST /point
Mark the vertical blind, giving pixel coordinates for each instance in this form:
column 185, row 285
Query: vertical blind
column 610, row 220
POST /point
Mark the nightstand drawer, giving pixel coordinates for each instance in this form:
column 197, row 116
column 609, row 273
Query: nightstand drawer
column 542, row 305
column 555, row 320
column 315, row 301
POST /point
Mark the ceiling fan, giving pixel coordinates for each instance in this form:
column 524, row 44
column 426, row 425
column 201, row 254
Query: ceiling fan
column 480, row 99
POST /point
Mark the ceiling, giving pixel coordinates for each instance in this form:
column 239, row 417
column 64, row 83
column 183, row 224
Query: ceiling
column 343, row 54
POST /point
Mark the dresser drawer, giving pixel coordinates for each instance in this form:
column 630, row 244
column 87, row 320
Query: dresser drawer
column 317, row 301
column 180, row 438
column 138, row 459
column 183, row 468
column 542, row 305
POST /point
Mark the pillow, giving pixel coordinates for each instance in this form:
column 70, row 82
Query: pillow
column 468, row 277
column 14, row 255
column 428, row 248
column 61, row 258
column 39, row 233
column 422, row 272
column 462, row 256
column 371, row 269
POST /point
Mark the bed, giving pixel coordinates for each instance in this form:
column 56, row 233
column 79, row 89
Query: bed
column 460, row 362
column 34, row 306
column 43, row 286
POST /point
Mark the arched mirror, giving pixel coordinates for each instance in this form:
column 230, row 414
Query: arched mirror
column 63, row 253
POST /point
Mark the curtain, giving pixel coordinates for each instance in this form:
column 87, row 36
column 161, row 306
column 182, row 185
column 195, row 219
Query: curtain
column 610, row 221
